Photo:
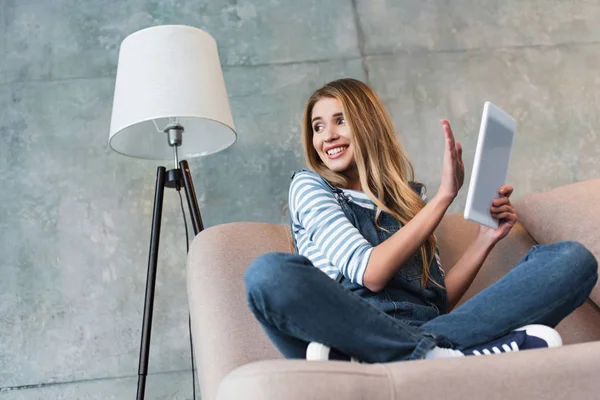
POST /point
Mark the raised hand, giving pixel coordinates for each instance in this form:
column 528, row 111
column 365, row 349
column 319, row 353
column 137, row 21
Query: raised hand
column 453, row 169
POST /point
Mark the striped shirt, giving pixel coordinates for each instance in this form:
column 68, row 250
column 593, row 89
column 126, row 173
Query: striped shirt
column 323, row 233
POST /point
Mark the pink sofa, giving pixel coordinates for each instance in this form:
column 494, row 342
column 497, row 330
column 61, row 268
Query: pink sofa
column 236, row 360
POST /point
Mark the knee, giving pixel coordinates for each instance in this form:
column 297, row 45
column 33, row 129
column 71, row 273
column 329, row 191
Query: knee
column 589, row 263
column 262, row 273
column 580, row 259
column 272, row 282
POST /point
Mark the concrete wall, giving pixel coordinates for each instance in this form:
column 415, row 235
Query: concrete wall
column 75, row 216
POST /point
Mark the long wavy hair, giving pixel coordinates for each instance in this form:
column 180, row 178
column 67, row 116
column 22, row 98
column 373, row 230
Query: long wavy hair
column 384, row 170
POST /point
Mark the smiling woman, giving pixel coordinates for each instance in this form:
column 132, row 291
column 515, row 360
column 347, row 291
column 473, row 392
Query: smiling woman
column 366, row 283
column 348, row 113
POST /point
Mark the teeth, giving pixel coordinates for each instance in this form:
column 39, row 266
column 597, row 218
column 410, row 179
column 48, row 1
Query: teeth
column 335, row 151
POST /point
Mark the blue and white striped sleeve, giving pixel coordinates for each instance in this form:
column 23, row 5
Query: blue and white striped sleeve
column 327, row 228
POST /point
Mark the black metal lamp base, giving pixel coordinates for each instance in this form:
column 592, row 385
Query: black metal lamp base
column 174, row 178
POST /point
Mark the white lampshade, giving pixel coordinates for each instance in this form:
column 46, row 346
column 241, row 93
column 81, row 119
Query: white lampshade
column 166, row 74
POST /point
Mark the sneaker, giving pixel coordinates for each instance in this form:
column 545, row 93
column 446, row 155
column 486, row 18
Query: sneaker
column 319, row 352
column 524, row 338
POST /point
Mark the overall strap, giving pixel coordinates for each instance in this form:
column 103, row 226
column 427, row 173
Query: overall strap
column 337, row 192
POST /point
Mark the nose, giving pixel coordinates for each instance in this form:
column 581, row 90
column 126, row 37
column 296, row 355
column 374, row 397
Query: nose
column 331, row 134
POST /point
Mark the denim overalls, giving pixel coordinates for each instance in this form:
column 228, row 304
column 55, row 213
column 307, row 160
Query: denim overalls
column 403, row 297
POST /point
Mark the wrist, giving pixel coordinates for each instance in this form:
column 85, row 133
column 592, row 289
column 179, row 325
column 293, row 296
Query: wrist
column 483, row 239
column 442, row 199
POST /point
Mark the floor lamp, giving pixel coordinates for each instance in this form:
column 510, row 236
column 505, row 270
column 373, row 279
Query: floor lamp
column 170, row 101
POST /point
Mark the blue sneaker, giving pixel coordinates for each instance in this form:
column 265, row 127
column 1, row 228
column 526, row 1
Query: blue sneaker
column 525, row 338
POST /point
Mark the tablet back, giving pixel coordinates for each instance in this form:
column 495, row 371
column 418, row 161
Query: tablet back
column 490, row 167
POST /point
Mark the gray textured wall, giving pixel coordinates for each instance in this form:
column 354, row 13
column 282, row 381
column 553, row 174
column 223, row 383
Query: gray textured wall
column 75, row 216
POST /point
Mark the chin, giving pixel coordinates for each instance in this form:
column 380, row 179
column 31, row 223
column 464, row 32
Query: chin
column 340, row 168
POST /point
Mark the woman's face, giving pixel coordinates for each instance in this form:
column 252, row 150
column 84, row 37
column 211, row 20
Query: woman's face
column 332, row 138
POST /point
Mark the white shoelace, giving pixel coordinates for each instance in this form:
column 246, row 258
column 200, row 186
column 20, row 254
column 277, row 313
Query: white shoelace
column 495, row 350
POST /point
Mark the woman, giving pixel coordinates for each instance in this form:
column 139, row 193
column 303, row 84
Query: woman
column 366, row 283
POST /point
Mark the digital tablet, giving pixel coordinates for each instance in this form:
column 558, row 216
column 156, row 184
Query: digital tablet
column 490, row 167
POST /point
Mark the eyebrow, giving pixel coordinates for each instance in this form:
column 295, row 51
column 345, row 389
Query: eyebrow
column 334, row 115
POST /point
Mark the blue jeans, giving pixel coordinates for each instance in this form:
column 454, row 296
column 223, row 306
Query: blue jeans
column 296, row 304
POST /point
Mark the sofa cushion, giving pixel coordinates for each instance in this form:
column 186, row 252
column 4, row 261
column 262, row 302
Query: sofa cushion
column 570, row 212
column 301, row 380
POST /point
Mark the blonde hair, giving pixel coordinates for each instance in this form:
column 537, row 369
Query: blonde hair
column 383, row 168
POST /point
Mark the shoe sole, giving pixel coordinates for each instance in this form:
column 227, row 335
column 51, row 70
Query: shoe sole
column 543, row 332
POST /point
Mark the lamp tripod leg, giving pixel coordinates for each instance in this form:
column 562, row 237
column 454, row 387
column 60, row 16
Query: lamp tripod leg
column 190, row 195
column 150, row 282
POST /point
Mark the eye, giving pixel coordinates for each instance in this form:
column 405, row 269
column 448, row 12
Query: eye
column 318, row 127
column 342, row 120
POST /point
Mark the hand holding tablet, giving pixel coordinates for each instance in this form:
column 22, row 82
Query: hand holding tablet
column 490, row 168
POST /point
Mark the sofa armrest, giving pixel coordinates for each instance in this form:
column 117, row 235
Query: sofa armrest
column 568, row 372
column 224, row 331
column 569, row 212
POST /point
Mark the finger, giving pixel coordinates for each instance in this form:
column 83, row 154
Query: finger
column 505, row 208
column 450, row 144
column 459, row 149
column 449, row 133
column 505, row 215
column 505, row 190
column 500, row 201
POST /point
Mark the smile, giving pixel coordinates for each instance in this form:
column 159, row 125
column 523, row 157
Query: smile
column 336, row 152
